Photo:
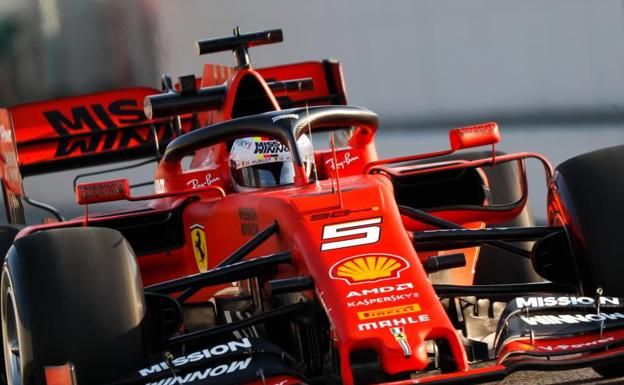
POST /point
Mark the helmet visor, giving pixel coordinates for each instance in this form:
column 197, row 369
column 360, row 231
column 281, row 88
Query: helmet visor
column 265, row 175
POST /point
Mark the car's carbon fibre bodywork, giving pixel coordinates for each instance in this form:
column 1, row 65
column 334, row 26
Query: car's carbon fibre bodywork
column 341, row 282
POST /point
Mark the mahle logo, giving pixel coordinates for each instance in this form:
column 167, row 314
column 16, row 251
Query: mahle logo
column 368, row 268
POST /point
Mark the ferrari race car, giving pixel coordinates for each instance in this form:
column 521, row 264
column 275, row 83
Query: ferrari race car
column 415, row 269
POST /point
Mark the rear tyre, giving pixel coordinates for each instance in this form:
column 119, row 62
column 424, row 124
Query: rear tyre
column 71, row 295
column 591, row 190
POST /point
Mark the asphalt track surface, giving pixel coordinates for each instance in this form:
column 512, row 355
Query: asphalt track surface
column 568, row 377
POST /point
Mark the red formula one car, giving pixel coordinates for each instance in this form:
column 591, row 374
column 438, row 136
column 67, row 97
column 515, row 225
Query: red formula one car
column 261, row 260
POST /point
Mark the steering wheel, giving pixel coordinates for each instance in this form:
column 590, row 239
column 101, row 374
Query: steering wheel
column 286, row 126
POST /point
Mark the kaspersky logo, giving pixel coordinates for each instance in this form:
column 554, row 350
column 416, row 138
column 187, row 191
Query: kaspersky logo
column 368, row 268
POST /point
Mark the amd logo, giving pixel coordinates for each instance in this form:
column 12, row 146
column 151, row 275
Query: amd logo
column 101, row 133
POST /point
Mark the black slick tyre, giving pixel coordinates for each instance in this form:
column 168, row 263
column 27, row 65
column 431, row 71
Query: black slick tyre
column 71, row 295
column 591, row 190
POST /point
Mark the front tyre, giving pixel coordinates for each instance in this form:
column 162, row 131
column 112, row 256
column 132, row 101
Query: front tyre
column 588, row 197
column 71, row 295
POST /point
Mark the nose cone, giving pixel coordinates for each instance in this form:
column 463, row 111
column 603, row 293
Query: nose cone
column 403, row 351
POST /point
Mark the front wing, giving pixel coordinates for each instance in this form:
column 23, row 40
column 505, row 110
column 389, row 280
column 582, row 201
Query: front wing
column 546, row 333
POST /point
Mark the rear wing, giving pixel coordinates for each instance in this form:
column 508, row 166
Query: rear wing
column 111, row 126
column 325, row 79
column 291, row 85
column 327, row 83
column 86, row 130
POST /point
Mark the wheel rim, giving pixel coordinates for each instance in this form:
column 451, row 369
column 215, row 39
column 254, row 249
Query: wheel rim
column 11, row 343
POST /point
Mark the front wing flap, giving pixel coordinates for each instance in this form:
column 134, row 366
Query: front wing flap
column 548, row 333
column 570, row 320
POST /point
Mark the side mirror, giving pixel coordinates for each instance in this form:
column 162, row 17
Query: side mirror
column 105, row 191
column 474, row 136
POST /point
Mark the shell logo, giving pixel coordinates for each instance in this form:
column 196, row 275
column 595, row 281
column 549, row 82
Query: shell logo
column 368, row 268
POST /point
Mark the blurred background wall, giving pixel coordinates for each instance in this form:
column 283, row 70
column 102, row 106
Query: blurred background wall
column 54, row 48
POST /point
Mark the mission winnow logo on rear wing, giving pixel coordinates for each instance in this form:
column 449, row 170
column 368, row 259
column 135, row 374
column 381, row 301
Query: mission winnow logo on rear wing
column 85, row 126
column 102, row 122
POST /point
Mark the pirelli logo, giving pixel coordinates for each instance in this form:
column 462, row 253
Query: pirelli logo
column 389, row 311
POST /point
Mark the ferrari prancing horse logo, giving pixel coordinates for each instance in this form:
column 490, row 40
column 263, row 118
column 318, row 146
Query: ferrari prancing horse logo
column 401, row 338
column 198, row 240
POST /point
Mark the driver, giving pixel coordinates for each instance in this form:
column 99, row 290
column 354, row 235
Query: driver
column 257, row 162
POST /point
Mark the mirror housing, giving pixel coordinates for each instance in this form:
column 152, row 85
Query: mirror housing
column 104, row 191
column 474, row 136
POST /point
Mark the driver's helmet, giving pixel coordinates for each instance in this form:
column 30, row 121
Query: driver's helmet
column 263, row 162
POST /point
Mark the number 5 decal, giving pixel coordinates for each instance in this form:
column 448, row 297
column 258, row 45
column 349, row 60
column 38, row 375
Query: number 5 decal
column 368, row 234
